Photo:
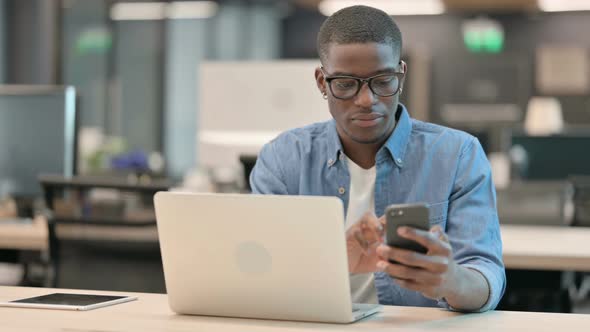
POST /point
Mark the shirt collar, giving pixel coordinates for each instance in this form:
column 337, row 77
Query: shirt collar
column 334, row 145
column 396, row 143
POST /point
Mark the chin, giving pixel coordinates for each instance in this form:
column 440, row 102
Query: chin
column 366, row 139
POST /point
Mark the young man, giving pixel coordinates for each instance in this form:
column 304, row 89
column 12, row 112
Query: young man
column 371, row 155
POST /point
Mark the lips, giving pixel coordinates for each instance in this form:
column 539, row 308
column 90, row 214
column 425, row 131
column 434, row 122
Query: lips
column 367, row 117
column 367, row 120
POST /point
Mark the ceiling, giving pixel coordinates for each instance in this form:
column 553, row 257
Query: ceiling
column 465, row 5
column 491, row 5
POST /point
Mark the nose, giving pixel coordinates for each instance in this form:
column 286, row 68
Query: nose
column 365, row 98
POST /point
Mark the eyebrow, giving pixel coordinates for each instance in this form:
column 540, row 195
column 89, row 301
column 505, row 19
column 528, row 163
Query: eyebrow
column 378, row 72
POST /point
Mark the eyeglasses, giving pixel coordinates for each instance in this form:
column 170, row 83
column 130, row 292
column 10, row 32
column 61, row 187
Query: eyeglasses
column 346, row 87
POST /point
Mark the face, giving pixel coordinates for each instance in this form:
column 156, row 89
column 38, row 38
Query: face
column 366, row 118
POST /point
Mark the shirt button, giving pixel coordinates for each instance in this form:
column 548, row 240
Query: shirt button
column 341, row 190
column 399, row 160
column 330, row 162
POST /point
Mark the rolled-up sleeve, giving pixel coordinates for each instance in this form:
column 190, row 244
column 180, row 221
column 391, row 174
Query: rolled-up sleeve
column 473, row 225
column 266, row 176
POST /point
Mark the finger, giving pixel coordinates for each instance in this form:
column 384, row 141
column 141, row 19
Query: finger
column 420, row 276
column 426, row 239
column 372, row 230
column 382, row 221
column 360, row 239
column 370, row 220
column 432, row 263
column 370, row 235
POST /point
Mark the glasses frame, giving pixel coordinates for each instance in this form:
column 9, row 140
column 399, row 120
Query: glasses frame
column 400, row 75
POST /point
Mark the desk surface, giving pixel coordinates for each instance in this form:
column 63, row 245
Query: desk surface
column 546, row 247
column 151, row 313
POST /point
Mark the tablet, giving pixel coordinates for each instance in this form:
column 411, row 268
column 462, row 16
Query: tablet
column 68, row 301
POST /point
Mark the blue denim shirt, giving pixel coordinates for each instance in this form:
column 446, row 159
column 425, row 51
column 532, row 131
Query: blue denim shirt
column 420, row 162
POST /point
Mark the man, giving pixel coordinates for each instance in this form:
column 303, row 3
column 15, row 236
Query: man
column 371, row 155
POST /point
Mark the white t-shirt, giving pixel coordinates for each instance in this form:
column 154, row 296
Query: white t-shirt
column 361, row 200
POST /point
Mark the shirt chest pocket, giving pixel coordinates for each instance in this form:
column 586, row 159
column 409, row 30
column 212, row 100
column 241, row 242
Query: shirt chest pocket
column 438, row 214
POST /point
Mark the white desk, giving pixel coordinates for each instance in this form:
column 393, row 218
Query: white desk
column 151, row 313
column 546, row 247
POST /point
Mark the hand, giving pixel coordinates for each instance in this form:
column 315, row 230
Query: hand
column 362, row 239
column 433, row 274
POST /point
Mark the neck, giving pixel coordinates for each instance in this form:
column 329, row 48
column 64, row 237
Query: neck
column 362, row 154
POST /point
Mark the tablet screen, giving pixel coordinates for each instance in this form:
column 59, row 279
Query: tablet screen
column 69, row 299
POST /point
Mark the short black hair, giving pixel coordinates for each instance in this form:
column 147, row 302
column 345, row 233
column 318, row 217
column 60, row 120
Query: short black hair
column 358, row 24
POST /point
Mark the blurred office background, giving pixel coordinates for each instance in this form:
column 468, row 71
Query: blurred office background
column 182, row 94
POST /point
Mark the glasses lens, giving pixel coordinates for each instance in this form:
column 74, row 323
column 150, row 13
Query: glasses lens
column 344, row 87
column 385, row 85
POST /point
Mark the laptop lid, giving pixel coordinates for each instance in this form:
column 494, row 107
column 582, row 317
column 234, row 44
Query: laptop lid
column 255, row 256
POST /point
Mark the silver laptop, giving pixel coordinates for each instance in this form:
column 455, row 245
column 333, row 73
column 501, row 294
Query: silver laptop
column 256, row 256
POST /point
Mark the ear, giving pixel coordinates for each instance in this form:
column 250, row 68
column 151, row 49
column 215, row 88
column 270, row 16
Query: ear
column 404, row 69
column 320, row 81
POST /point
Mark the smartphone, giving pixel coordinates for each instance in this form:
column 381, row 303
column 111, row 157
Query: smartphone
column 412, row 215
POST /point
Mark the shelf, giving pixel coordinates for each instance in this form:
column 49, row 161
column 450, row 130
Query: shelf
column 89, row 182
column 105, row 221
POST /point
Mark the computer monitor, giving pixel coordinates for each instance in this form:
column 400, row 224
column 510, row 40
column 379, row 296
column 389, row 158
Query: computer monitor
column 485, row 90
column 551, row 157
column 248, row 162
column 37, row 135
column 245, row 104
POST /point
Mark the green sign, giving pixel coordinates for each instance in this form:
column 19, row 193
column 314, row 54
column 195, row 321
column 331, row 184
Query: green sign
column 483, row 36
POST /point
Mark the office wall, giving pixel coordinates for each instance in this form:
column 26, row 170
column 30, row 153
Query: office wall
column 185, row 45
column 118, row 68
column 441, row 35
column 86, row 43
column 239, row 31
column 2, row 41
column 138, row 89
column 32, row 41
